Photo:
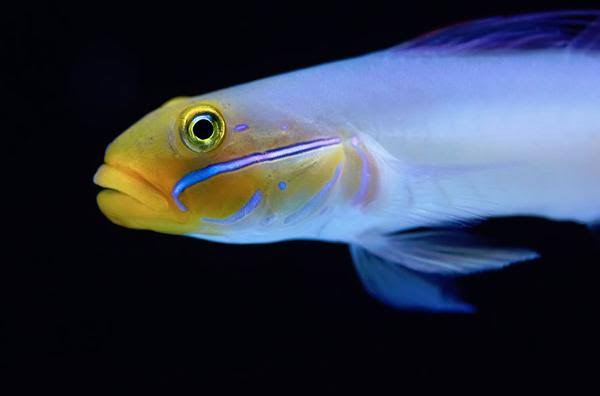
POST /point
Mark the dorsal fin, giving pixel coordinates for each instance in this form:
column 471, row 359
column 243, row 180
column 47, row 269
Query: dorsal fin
column 577, row 30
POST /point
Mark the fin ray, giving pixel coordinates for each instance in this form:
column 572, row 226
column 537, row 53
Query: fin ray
column 449, row 251
column 575, row 29
column 403, row 288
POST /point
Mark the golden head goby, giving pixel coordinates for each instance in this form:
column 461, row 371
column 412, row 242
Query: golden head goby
column 208, row 168
column 395, row 153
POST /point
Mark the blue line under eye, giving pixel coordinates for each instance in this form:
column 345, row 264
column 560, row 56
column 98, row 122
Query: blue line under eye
column 202, row 174
column 282, row 185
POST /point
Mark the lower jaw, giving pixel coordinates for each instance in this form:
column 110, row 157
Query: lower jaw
column 126, row 211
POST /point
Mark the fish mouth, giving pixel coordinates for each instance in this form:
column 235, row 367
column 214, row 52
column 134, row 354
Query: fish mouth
column 125, row 183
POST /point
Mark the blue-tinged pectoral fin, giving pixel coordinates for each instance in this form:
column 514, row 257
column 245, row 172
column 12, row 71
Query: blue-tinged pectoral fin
column 416, row 270
column 403, row 288
column 446, row 251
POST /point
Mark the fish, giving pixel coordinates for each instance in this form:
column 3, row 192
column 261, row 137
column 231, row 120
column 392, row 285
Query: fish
column 398, row 153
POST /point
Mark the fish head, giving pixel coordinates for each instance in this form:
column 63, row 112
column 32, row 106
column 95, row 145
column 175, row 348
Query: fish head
column 217, row 169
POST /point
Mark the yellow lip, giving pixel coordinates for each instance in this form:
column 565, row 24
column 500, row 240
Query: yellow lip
column 132, row 185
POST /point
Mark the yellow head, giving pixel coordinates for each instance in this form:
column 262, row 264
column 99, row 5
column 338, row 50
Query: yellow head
column 213, row 169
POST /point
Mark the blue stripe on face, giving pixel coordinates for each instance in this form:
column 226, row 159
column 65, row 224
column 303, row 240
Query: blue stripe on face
column 365, row 175
column 210, row 171
column 244, row 211
column 316, row 199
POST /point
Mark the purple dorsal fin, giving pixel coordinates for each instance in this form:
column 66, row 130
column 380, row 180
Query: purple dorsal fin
column 577, row 30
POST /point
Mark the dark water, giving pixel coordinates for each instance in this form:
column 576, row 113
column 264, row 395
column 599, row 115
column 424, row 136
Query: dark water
column 92, row 307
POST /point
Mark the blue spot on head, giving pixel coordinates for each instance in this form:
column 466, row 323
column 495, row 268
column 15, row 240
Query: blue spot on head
column 282, row 185
column 241, row 127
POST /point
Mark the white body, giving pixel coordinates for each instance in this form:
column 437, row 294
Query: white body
column 455, row 136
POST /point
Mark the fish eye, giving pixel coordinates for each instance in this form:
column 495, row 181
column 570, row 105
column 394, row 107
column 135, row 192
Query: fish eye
column 202, row 126
column 202, row 129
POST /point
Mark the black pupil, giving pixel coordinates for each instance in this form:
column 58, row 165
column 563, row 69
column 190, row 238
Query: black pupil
column 203, row 129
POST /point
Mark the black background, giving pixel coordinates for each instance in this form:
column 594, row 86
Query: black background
column 95, row 308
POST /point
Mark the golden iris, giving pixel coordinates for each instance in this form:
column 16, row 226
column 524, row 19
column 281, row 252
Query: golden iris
column 202, row 128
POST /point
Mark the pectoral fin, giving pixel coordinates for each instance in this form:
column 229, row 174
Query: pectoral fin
column 403, row 288
column 450, row 251
column 416, row 270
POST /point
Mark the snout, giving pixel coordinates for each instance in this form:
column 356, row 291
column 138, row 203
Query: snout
column 123, row 181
